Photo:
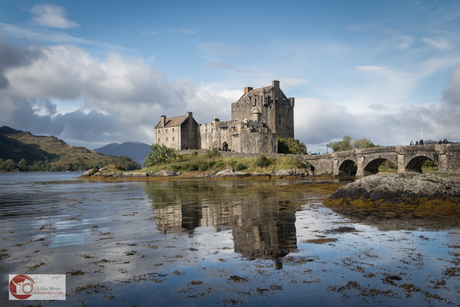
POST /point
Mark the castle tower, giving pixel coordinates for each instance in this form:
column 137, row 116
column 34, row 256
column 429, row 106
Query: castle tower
column 276, row 110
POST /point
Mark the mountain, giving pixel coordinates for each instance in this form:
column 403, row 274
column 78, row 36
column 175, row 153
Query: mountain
column 25, row 151
column 135, row 150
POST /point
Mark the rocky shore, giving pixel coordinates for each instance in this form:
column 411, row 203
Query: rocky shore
column 397, row 187
column 231, row 173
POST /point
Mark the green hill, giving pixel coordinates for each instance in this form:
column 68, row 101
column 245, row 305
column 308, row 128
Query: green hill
column 22, row 151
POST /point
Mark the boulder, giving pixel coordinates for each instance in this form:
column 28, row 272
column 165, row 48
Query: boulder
column 166, row 173
column 291, row 172
column 394, row 187
column 230, row 173
column 134, row 175
column 89, row 173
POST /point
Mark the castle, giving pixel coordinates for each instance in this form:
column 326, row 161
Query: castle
column 259, row 117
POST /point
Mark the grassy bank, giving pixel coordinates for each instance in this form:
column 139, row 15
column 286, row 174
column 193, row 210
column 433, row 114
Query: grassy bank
column 213, row 161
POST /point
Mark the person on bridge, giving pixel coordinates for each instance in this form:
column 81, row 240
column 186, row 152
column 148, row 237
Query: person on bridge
column 416, row 142
column 445, row 141
column 421, row 142
column 440, row 141
column 411, row 143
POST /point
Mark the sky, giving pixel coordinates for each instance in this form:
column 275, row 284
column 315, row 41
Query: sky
column 99, row 72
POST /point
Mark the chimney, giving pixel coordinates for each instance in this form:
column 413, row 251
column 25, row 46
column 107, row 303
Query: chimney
column 276, row 86
column 247, row 89
column 189, row 114
column 162, row 120
column 291, row 100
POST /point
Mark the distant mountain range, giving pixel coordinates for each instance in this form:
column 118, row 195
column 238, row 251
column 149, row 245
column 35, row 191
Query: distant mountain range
column 135, row 150
column 28, row 152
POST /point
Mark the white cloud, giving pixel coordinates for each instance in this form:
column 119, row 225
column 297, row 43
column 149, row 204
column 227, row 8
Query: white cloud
column 439, row 43
column 43, row 35
column 101, row 101
column 51, row 16
column 381, row 70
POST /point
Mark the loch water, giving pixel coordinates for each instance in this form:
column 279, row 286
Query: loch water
column 215, row 243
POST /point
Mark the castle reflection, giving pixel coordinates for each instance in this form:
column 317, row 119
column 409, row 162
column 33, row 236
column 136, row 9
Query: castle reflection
column 261, row 214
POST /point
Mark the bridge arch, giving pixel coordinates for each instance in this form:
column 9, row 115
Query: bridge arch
column 347, row 167
column 372, row 162
column 415, row 164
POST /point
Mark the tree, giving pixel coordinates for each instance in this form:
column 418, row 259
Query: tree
column 291, row 146
column 159, row 154
column 347, row 143
column 343, row 145
column 363, row 143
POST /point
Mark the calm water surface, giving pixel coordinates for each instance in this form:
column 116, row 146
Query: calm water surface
column 214, row 243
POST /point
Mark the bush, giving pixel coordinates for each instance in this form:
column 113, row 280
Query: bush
column 213, row 153
column 240, row 166
column 263, row 161
column 159, row 154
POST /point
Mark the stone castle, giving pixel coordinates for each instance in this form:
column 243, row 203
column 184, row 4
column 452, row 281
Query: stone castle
column 259, row 117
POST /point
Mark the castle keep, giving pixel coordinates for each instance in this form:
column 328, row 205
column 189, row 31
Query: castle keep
column 259, row 117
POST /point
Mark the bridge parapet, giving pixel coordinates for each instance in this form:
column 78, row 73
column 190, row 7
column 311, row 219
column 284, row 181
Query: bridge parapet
column 407, row 159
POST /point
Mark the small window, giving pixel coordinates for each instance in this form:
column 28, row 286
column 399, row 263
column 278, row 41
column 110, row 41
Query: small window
column 166, row 130
column 166, row 139
column 173, row 131
column 173, row 137
column 159, row 131
column 158, row 141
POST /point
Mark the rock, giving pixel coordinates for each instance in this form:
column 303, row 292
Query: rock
column 166, row 173
column 230, row 173
column 291, row 172
column 134, row 175
column 395, row 187
column 89, row 173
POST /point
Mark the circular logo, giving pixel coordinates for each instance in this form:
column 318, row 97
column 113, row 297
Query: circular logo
column 21, row 286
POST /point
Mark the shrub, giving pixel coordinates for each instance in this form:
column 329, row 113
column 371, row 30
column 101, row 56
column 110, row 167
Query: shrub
column 240, row 166
column 213, row 153
column 263, row 161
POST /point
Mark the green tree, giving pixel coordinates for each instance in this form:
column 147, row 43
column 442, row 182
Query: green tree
column 291, row 146
column 343, row 145
column 363, row 143
column 23, row 165
column 347, row 143
column 8, row 166
column 159, row 154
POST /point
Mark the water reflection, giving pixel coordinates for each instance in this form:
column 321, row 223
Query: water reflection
column 261, row 216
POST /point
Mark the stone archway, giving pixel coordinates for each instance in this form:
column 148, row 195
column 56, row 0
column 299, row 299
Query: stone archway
column 347, row 168
column 373, row 166
column 224, row 146
column 415, row 164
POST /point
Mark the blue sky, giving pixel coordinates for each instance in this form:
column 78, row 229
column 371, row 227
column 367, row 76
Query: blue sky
column 97, row 72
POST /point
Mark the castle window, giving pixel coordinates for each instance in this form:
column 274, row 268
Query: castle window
column 158, row 141
column 173, row 139
column 173, row 131
column 166, row 130
column 166, row 139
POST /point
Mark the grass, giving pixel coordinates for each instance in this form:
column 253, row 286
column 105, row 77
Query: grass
column 215, row 162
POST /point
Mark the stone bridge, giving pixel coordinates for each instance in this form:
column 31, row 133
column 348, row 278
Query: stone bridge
column 406, row 158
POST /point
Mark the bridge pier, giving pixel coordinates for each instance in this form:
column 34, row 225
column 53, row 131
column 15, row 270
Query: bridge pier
column 401, row 161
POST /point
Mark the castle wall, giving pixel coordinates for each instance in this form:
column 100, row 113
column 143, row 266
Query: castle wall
column 213, row 135
column 284, row 119
column 189, row 137
column 171, row 137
